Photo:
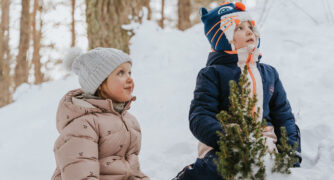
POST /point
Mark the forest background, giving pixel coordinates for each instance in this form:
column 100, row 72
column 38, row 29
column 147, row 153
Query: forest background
column 165, row 39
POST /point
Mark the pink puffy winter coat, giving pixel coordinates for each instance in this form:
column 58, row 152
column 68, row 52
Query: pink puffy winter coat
column 95, row 141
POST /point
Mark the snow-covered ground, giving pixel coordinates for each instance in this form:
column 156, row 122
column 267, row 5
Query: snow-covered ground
column 166, row 63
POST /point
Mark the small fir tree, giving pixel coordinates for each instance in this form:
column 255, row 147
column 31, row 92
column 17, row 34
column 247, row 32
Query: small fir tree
column 285, row 158
column 241, row 144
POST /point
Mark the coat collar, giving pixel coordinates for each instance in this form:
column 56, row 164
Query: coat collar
column 70, row 109
column 106, row 105
column 233, row 57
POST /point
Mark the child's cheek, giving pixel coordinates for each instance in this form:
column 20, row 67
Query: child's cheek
column 119, row 88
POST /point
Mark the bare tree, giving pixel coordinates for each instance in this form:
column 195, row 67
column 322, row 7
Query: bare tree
column 161, row 22
column 73, row 24
column 36, row 37
column 5, row 94
column 21, row 68
column 147, row 5
column 183, row 11
column 197, row 4
column 105, row 19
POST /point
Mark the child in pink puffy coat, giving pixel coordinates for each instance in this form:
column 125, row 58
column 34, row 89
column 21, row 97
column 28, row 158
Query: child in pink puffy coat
column 99, row 138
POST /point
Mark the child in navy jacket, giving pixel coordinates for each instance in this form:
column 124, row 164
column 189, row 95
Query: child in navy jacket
column 234, row 40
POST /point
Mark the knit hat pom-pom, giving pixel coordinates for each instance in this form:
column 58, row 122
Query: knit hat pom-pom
column 71, row 55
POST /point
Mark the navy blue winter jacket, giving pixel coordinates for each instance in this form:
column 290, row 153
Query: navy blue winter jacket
column 211, row 96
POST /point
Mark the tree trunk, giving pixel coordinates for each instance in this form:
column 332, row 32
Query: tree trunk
column 147, row 5
column 197, row 4
column 105, row 19
column 161, row 23
column 73, row 24
column 36, row 36
column 21, row 68
column 184, row 11
column 5, row 95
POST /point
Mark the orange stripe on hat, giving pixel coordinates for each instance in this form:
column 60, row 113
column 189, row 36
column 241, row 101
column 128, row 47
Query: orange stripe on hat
column 227, row 2
column 213, row 37
column 222, row 34
column 218, row 23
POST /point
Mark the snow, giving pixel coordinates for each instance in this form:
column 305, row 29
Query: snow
column 166, row 63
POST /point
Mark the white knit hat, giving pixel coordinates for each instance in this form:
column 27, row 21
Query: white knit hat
column 94, row 66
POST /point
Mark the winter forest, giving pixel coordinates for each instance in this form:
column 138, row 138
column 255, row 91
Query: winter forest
column 167, row 43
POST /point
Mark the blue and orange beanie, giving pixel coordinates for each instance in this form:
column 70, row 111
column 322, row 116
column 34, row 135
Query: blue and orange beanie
column 220, row 22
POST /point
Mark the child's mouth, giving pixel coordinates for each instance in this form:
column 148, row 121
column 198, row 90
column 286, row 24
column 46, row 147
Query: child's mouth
column 250, row 40
column 128, row 88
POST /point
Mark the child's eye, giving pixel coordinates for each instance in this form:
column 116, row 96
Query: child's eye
column 120, row 73
column 130, row 73
column 239, row 28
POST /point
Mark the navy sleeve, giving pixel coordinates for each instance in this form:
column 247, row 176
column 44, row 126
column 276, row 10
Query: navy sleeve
column 281, row 113
column 204, row 107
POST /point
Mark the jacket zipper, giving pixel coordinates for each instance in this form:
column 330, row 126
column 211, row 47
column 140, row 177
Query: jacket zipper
column 126, row 126
column 250, row 59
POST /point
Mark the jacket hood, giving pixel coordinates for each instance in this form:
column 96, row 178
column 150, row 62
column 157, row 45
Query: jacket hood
column 74, row 105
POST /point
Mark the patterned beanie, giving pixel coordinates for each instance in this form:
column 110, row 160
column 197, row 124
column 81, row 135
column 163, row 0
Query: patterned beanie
column 94, row 66
column 220, row 23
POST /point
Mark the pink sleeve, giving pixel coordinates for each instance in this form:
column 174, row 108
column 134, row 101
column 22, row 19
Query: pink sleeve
column 76, row 150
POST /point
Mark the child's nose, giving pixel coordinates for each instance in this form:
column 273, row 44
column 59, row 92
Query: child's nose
column 249, row 32
column 129, row 79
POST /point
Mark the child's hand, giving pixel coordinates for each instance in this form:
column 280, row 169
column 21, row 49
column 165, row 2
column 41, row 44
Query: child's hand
column 271, row 138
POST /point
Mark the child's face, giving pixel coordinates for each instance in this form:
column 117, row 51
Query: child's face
column 243, row 35
column 119, row 84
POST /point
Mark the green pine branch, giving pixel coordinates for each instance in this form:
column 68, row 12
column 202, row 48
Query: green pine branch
column 241, row 144
column 285, row 158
